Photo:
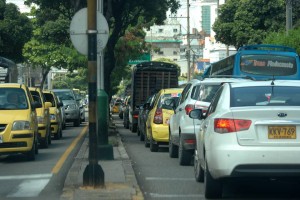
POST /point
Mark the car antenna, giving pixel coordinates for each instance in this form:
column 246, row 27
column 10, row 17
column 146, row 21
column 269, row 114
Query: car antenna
column 273, row 79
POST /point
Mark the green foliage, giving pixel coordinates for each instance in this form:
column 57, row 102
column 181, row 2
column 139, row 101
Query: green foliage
column 15, row 31
column 248, row 21
column 72, row 80
column 292, row 39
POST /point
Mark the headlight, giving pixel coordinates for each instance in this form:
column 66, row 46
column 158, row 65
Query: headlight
column 52, row 117
column 21, row 125
column 40, row 120
column 72, row 106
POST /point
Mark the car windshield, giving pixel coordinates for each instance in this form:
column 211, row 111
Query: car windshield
column 12, row 99
column 65, row 95
column 265, row 96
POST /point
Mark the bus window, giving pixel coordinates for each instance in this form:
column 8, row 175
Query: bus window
column 8, row 71
column 259, row 62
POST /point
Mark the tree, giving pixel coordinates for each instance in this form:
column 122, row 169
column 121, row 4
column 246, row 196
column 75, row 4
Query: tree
column 248, row 21
column 292, row 39
column 120, row 15
column 15, row 31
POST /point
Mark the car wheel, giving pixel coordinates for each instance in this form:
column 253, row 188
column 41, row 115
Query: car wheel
column 60, row 133
column 153, row 146
column 212, row 187
column 198, row 171
column 146, row 141
column 133, row 128
column 173, row 149
column 45, row 142
column 36, row 147
column 56, row 136
column 64, row 125
column 77, row 122
column 138, row 132
column 127, row 124
column 31, row 154
column 49, row 138
column 184, row 156
column 142, row 136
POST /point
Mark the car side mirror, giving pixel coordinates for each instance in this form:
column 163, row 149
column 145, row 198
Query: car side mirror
column 197, row 114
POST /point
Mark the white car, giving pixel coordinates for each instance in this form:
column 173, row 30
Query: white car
column 196, row 94
column 250, row 129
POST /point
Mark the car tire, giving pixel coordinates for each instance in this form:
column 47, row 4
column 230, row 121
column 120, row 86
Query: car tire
column 146, row 141
column 173, row 149
column 45, row 142
column 31, row 154
column 49, row 138
column 142, row 136
column 60, row 133
column 77, row 122
column 198, row 170
column 153, row 146
column 64, row 125
column 36, row 149
column 133, row 128
column 138, row 132
column 184, row 156
column 212, row 187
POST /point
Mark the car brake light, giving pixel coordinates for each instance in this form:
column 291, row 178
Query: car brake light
column 136, row 116
column 188, row 108
column 158, row 116
column 222, row 125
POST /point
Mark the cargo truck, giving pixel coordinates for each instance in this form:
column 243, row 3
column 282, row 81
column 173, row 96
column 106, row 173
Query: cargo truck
column 147, row 79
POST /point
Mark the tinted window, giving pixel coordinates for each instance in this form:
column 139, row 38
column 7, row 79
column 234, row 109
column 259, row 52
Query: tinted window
column 184, row 93
column 214, row 102
column 265, row 96
column 165, row 97
column 207, row 92
column 276, row 65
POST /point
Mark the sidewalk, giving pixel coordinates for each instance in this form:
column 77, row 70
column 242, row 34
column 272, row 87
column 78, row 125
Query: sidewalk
column 120, row 180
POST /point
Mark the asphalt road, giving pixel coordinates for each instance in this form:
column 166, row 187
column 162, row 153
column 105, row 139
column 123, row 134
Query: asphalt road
column 43, row 178
column 161, row 177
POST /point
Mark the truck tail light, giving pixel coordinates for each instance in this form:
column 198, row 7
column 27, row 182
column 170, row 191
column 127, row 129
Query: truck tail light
column 188, row 108
column 222, row 125
column 158, row 116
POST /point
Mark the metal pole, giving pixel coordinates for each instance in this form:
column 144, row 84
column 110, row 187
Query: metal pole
column 188, row 42
column 93, row 174
column 105, row 150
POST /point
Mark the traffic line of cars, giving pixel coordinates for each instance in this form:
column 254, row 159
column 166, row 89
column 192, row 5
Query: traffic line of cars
column 30, row 117
column 228, row 128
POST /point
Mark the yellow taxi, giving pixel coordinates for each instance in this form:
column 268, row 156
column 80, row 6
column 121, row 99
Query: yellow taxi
column 43, row 117
column 18, row 121
column 55, row 115
column 157, row 124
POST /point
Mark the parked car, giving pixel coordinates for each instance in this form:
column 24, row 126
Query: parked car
column 157, row 124
column 143, row 114
column 71, row 104
column 55, row 114
column 251, row 129
column 43, row 117
column 18, row 121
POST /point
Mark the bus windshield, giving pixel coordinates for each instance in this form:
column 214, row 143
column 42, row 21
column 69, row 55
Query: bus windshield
column 276, row 65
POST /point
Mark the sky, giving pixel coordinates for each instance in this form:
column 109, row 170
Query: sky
column 20, row 4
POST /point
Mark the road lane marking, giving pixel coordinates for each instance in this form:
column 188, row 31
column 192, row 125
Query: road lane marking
column 32, row 176
column 168, row 179
column 155, row 195
column 29, row 188
column 63, row 158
